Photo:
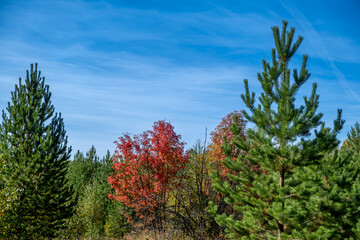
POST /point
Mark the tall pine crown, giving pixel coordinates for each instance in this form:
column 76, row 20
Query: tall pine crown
column 273, row 196
column 35, row 152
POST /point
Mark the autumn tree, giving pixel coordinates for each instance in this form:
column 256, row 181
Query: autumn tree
column 282, row 200
column 222, row 134
column 35, row 154
column 189, row 204
column 146, row 166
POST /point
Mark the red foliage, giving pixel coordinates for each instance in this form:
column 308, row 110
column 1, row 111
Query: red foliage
column 223, row 129
column 145, row 168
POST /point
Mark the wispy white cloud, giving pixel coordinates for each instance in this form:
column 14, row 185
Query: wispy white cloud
column 343, row 49
column 138, row 90
column 319, row 46
column 115, row 69
column 333, row 50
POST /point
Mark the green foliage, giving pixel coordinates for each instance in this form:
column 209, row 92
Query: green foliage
column 336, row 212
column 92, row 209
column 352, row 143
column 74, row 227
column 340, row 203
column 8, row 197
column 280, row 191
column 116, row 223
column 35, row 153
column 95, row 214
column 82, row 170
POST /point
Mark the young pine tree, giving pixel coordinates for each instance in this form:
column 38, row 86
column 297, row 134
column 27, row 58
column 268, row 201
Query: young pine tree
column 35, row 153
column 274, row 196
column 352, row 143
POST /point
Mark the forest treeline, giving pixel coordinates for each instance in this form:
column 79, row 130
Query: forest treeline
column 284, row 177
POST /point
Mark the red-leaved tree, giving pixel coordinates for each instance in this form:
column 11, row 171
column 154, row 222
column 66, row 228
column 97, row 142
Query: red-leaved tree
column 145, row 169
column 217, row 139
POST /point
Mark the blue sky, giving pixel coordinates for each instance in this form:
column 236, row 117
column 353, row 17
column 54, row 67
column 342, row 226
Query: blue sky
column 119, row 66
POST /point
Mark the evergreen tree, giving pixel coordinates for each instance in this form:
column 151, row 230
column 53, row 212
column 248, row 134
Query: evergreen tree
column 34, row 149
column 82, row 170
column 8, row 197
column 338, row 210
column 276, row 196
column 96, row 215
column 338, row 188
column 352, row 143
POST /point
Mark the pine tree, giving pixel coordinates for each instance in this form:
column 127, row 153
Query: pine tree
column 352, row 143
column 276, row 196
column 82, row 170
column 88, row 175
column 34, row 148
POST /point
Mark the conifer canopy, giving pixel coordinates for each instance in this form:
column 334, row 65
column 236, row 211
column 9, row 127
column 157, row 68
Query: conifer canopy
column 279, row 187
column 35, row 153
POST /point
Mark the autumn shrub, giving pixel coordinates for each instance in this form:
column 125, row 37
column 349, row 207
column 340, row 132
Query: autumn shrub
column 188, row 204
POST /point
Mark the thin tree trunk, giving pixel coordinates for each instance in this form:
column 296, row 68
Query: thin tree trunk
column 280, row 225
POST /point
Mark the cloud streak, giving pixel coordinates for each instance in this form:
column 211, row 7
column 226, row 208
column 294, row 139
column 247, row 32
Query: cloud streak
column 114, row 69
column 319, row 47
